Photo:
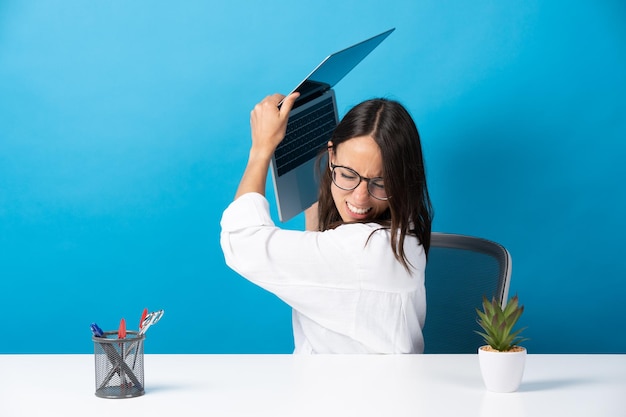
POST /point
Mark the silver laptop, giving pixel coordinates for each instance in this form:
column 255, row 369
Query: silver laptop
column 310, row 126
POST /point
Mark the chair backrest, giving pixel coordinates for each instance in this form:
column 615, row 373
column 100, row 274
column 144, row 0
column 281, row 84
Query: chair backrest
column 460, row 270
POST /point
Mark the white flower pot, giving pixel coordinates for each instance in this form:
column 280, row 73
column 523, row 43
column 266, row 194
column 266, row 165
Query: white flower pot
column 502, row 371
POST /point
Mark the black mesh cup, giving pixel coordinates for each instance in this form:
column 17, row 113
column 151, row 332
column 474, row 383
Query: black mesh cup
column 119, row 365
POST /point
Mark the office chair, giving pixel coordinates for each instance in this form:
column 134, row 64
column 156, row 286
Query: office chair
column 460, row 270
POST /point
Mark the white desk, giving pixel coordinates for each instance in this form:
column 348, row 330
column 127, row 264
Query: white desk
column 287, row 385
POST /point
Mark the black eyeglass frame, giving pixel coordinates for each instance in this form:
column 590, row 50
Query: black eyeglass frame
column 361, row 179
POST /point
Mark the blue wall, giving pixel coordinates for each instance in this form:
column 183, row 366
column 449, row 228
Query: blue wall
column 124, row 129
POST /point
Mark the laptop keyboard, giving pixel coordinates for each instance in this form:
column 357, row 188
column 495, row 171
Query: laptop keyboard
column 307, row 133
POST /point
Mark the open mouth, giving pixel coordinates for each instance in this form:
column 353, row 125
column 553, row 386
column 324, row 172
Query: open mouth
column 358, row 211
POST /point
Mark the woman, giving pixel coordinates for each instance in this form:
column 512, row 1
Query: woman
column 355, row 278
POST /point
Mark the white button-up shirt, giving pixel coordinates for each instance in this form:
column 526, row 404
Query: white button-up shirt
column 348, row 294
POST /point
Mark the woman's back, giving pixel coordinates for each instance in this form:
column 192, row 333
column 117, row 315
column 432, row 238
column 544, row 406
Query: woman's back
column 348, row 291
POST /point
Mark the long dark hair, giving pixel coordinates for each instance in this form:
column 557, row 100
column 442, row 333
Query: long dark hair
column 410, row 211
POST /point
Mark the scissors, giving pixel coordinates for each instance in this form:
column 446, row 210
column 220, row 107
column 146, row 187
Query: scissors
column 149, row 320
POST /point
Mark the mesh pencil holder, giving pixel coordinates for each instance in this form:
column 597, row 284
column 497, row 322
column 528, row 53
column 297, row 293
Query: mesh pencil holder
column 119, row 365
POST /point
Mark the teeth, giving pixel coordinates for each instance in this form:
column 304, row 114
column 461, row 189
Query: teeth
column 358, row 210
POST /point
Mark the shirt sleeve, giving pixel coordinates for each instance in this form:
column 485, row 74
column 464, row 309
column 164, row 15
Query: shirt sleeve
column 265, row 254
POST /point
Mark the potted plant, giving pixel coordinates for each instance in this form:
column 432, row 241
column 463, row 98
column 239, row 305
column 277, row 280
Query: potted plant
column 501, row 360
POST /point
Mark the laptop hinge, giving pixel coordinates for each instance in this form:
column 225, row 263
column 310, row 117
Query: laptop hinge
column 310, row 90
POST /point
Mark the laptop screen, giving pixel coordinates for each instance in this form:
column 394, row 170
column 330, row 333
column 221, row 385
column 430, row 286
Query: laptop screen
column 332, row 69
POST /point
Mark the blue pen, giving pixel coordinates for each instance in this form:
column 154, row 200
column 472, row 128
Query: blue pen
column 96, row 330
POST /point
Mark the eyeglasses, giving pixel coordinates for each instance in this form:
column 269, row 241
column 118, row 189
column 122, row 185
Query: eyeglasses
column 348, row 179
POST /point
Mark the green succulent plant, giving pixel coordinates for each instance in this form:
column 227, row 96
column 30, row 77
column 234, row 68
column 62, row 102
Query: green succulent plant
column 498, row 324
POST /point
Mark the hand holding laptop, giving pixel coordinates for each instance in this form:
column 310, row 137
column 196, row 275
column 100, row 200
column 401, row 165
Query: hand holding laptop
column 268, row 123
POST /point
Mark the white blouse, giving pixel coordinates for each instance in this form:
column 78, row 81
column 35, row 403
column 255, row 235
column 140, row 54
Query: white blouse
column 348, row 294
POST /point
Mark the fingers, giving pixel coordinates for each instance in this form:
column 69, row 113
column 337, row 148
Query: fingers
column 285, row 102
column 269, row 103
column 288, row 102
column 268, row 121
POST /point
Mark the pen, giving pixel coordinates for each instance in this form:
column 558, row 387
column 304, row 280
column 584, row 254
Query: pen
column 121, row 334
column 143, row 317
column 96, row 330
column 121, row 331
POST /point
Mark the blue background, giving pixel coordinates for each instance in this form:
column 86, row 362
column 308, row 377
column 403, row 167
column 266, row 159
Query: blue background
column 124, row 131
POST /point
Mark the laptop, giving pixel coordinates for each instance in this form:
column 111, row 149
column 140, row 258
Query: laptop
column 311, row 123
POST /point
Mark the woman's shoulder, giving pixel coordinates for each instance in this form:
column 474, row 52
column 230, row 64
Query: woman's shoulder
column 359, row 230
column 367, row 248
column 357, row 236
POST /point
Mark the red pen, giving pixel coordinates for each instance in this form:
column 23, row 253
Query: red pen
column 121, row 334
column 143, row 317
column 121, row 331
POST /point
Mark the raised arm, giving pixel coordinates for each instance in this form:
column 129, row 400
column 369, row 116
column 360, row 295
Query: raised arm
column 268, row 124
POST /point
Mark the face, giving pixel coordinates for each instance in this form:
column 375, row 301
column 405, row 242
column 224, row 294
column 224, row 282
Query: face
column 362, row 154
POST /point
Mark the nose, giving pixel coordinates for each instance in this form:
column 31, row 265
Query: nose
column 360, row 193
